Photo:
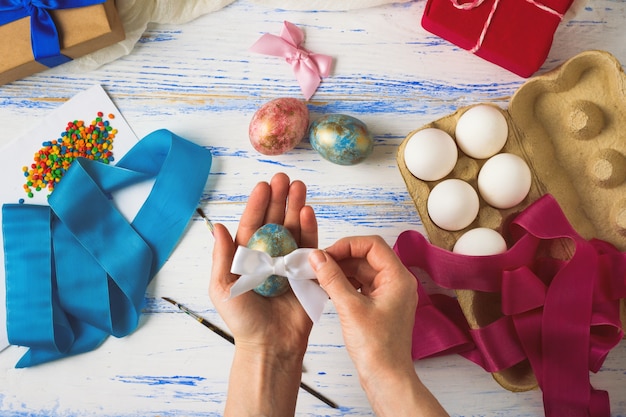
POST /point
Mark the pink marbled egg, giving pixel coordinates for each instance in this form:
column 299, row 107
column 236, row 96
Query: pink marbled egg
column 279, row 125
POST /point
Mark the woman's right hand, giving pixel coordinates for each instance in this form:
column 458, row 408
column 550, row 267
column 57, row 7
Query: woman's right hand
column 375, row 297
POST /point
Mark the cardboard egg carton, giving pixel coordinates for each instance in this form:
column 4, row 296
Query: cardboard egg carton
column 569, row 125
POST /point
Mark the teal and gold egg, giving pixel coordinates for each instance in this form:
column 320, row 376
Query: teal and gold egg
column 275, row 240
column 341, row 139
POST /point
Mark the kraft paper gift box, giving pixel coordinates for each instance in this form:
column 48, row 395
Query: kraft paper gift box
column 93, row 25
column 514, row 34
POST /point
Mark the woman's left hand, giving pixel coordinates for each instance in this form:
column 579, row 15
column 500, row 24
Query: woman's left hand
column 270, row 324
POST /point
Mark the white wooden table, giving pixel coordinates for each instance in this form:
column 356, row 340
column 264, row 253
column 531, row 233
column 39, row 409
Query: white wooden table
column 200, row 81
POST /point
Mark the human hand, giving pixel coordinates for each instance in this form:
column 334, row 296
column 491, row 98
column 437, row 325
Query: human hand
column 271, row 334
column 277, row 325
column 375, row 297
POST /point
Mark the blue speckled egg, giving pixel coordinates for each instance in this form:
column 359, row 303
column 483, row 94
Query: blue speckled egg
column 274, row 240
column 341, row 139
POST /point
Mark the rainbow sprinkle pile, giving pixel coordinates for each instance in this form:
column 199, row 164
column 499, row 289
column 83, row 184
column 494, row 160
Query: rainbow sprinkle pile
column 55, row 157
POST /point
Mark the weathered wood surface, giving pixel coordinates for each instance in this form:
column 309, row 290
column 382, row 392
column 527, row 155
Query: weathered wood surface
column 200, row 81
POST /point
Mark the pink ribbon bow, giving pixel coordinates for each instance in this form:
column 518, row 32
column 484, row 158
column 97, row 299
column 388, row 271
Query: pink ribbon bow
column 308, row 67
column 562, row 315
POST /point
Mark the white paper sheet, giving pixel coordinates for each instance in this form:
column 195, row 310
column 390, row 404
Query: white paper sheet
column 20, row 152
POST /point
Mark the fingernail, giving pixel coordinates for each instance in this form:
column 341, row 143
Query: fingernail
column 317, row 258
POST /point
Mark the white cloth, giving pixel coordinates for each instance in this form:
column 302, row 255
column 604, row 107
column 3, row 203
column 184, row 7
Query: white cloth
column 256, row 266
column 135, row 16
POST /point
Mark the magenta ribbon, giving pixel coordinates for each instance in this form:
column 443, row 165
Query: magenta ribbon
column 561, row 315
column 308, row 67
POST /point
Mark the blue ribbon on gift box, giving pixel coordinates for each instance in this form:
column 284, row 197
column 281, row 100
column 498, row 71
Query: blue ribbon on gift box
column 43, row 31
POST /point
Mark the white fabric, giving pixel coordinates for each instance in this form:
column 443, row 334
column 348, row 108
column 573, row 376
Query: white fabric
column 135, row 16
column 256, row 266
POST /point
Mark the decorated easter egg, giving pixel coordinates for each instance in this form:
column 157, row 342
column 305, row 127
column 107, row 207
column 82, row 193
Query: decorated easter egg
column 482, row 131
column 430, row 154
column 341, row 139
column 275, row 240
column 480, row 241
column 504, row 180
column 279, row 125
column 452, row 204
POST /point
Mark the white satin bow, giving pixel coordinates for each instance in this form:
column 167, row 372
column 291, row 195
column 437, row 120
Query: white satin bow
column 256, row 266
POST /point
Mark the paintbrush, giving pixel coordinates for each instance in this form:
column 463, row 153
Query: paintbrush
column 202, row 321
column 206, row 219
column 228, row 337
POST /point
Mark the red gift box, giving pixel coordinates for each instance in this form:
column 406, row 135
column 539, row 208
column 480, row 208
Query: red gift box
column 514, row 34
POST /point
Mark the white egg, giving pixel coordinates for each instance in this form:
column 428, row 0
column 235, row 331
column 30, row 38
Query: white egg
column 452, row 204
column 481, row 131
column 481, row 241
column 504, row 180
column 430, row 154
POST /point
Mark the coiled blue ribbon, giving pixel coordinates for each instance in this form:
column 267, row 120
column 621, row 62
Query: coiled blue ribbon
column 44, row 34
column 77, row 271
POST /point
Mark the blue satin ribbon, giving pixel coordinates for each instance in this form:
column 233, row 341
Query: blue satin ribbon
column 77, row 271
column 44, row 34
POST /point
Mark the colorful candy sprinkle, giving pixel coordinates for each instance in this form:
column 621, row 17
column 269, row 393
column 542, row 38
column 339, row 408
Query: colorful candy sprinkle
column 50, row 163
